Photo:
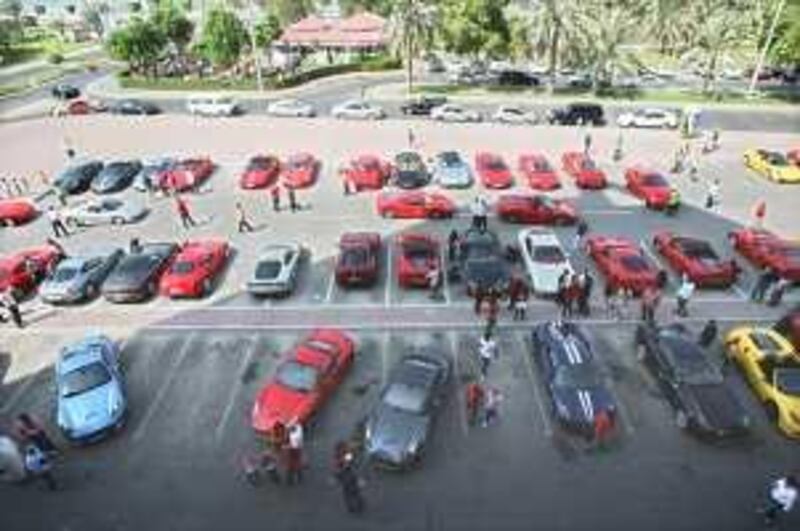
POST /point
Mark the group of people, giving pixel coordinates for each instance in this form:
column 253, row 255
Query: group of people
column 574, row 293
column 284, row 451
column 769, row 288
column 29, row 452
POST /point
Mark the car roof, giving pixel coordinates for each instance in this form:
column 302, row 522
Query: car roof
column 569, row 346
column 82, row 353
column 417, row 370
column 276, row 250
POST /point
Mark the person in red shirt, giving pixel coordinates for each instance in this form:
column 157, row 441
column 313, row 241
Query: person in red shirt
column 183, row 211
column 602, row 427
column 474, row 401
column 759, row 213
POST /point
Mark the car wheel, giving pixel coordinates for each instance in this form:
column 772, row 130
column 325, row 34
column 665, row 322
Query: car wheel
column 681, row 419
column 389, row 214
column 772, row 411
column 91, row 291
column 152, row 288
column 117, row 221
column 7, row 222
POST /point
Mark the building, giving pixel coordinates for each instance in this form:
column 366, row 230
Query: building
column 360, row 33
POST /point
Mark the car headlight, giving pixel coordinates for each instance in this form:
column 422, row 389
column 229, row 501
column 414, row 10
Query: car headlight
column 562, row 410
column 413, row 448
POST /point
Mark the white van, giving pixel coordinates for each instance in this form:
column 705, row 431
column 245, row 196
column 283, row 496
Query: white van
column 212, row 105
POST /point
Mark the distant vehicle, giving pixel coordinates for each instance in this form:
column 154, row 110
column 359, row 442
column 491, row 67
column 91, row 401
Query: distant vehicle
column 366, row 172
column 536, row 169
column 767, row 250
column 77, row 178
column 147, row 179
column 493, row 171
column 17, row 211
column 79, row 278
column 306, row 378
column 195, row 270
column 584, row 170
column 422, row 105
column 772, row 165
column 452, row 171
column 64, row 91
column 133, row 107
column 396, row 431
column 276, row 271
column 24, row 270
column 409, row 171
column 579, row 81
column 697, row 259
column 105, row 211
column 116, row 176
column 572, row 376
column 212, row 105
column 358, row 110
column 90, row 395
column 771, row 366
column 544, row 259
column 511, row 114
column 415, row 204
column 703, row 401
column 577, row 114
column 416, row 255
column 623, row 264
column 136, row 277
column 483, row 263
column 357, row 263
column 516, row 78
column 451, row 112
column 291, row 108
column 649, row 118
column 186, row 174
column 262, row 171
column 650, row 186
column 535, row 209
column 300, row 170
column 78, row 107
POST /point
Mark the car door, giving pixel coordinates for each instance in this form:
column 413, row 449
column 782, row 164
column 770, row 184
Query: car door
column 413, row 206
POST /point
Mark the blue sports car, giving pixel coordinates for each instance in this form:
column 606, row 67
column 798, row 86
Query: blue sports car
column 452, row 171
column 91, row 398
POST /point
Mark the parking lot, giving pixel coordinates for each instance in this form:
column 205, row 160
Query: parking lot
column 193, row 368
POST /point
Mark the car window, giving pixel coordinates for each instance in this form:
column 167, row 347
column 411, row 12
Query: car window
column 355, row 256
column 496, row 164
column 268, row 269
column 634, row 263
column 654, row 179
column 405, row 398
column 788, row 381
column 84, row 379
column 548, row 254
column 182, row 267
column 588, row 164
column 764, row 342
column 112, row 204
column 297, row 376
column 541, row 165
column 63, row 274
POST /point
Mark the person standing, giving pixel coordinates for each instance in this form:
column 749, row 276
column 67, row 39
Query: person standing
column 763, row 284
column 561, row 293
column 434, row 279
column 243, row 224
column 411, row 138
column 587, row 142
column 580, row 233
column 781, row 497
column 586, row 284
column 478, row 214
column 778, row 290
column 349, row 482
column 56, row 223
column 17, row 187
column 521, row 302
column 275, row 194
column 474, row 401
column 9, row 300
column 617, row 155
column 294, row 454
column 6, row 187
column 602, row 426
column 452, row 246
column 708, row 334
column 759, row 213
column 29, row 430
column 492, row 302
column 651, row 297
column 611, row 294
column 293, row 206
column 487, row 351
column 571, row 297
column 713, row 195
column 684, row 295
column 491, row 406
column 182, row 207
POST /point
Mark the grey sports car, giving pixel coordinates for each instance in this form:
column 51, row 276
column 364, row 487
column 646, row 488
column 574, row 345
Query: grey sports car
column 276, row 270
column 397, row 430
column 151, row 168
column 108, row 211
column 136, row 276
column 451, row 171
column 116, row 176
column 79, row 278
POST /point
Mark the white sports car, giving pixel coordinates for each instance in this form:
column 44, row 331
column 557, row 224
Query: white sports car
column 450, row 112
column 276, row 270
column 510, row 114
column 652, row 118
column 358, row 110
column 544, row 259
column 291, row 108
column 106, row 211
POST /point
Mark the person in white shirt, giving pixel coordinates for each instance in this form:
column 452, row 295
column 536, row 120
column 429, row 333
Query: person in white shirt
column 480, row 209
column 294, row 454
column 781, row 498
column 487, row 351
column 684, row 294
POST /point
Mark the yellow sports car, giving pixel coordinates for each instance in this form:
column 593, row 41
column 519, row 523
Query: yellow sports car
column 772, row 165
column 772, row 367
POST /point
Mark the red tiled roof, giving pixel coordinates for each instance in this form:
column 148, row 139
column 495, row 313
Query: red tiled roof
column 362, row 29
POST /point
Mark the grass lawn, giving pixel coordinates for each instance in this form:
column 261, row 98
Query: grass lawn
column 39, row 47
column 180, row 84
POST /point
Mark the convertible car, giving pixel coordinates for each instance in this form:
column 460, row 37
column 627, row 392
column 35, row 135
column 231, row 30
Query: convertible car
column 16, row 211
column 300, row 170
column 366, row 172
column 535, row 209
column 649, row 186
column 416, row 204
column 584, row 170
column 105, row 211
column 409, row 171
column 416, row 255
column 544, row 259
column 536, row 169
column 276, row 269
column 772, row 165
column 357, row 263
column 195, row 269
column 483, row 263
column 493, row 171
column 25, row 269
column 261, row 171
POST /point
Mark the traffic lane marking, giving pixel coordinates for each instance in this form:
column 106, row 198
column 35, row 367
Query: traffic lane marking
column 534, row 384
column 233, row 395
column 387, row 293
column 460, row 400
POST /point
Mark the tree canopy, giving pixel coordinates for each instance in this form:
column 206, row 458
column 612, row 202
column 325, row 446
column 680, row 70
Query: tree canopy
column 475, row 27
column 224, row 36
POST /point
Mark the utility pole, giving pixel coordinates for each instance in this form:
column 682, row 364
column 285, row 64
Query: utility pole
column 770, row 35
column 254, row 47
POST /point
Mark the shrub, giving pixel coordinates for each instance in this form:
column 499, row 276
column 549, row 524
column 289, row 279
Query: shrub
column 55, row 58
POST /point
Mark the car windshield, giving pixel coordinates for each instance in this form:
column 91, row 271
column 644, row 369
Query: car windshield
column 697, row 249
column 588, row 164
column 542, row 165
column 405, row 398
column 480, row 249
column 133, row 264
column 355, row 256
column 450, row 158
column 777, row 159
column 63, row 274
column 320, row 346
column 297, row 376
column 548, row 254
column 512, row 110
column 788, row 381
column 496, row 164
column 84, row 379
column 181, row 268
column 634, row 263
column 268, row 269
column 654, row 179
column 582, row 375
column 417, row 252
column 408, row 162
column 366, row 165
column 111, row 204
column 297, row 163
column 688, row 361
column 258, row 163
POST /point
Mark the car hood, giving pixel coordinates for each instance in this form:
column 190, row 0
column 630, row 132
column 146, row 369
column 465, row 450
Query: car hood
column 52, row 288
column 393, row 433
column 91, row 410
column 486, row 272
column 277, row 403
column 546, row 276
column 580, row 405
column 107, row 181
column 130, row 278
column 717, row 408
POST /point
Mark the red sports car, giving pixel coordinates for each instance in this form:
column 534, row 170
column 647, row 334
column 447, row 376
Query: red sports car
column 584, row 170
column 23, row 270
column 416, row 255
column 536, row 209
column 493, row 170
column 765, row 249
column 16, row 211
column 300, row 170
column 538, row 172
column 194, row 269
column 357, row 263
column 366, row 172
column 304, row 380
column 185, row 175
column 649, row 186
column 79, row 107
column 623, row 264
column 416, row 204
column 697, row 259
column 261, row 171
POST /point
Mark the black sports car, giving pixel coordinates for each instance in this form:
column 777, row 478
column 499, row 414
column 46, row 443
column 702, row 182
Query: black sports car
column 574, row 381
column 422, row 106
column 703, row 401
column 409, row 171
column 396, row 431
column 483, row 264
column 76, row 179
column 116, row 176
column 136, row 276
column 63, row 91
column 133, row 107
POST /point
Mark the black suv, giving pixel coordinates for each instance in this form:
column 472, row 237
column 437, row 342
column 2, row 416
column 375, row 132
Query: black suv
column 422, row 105
column 578, row 114
column 515, row 78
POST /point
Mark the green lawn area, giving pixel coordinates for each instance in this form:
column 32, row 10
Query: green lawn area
column 39, row 46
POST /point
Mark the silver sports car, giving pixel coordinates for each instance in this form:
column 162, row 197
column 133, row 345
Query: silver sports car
column 106, row 211
column 79, row 278
column 276, row 270
column 452, row 171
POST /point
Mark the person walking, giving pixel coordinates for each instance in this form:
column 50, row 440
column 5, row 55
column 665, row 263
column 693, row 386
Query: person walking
column 776, row 293
column 411, row 138
column 182, row 208
column 650, row 300
column 452, row 246
column 580, row 233
column 708, row 334
column 9, row 301
column 713, row 195
column 479, row 214
column 561, row 293
column 474, row 401
column 684, row 295
column 39, row 465
column 781, row 497
column 293, row 205
column 346, row 476
column 294, row 454
column 612, row 295
column 586, row 283
column 56, row 223
column 617, row 154
column 434, row 279
column 491, row 406
column 28, row 430
column 275, row 194
column 521, row 302
column 587, row 142
column 573, row 289
column 763, row 284
column 759, row 213
column 487, row 351
column 243, row 224
column 17, row 187
column 6, row 187
column 492, row 303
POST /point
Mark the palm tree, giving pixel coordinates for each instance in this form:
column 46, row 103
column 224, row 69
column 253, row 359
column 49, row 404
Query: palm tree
column 412, row 27
column 667, row 21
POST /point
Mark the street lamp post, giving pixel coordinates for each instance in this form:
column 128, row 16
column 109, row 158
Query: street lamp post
column 761, row 56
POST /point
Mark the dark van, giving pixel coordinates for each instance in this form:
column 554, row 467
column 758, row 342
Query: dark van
column 578, row 114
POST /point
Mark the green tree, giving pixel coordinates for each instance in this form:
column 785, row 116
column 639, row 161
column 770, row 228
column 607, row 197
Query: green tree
column 412, row 27
column 173, row 22
column 94, row 15
column 475, row 27
column 139, row 44
column 289, row 11
column 379, row 7
column 785, row 49
column 12, row 9
column 223, row 37
column 520, row 46
column 268, row 29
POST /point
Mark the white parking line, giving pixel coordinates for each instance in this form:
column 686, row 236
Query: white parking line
column 739, row 291
column 462, row 406
column 236, row 388
column 162, row 391
column 537, row 397
column 445, row 281
column 387, row 294
column 331, row 286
